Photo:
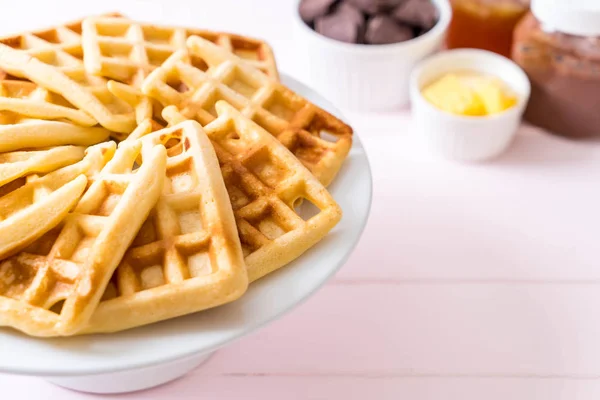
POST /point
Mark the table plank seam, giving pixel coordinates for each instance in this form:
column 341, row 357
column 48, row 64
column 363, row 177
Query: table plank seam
column 457, row 281
column 399, row 375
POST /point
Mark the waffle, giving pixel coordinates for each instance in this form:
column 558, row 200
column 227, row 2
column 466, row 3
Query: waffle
column 187, row 256
column 265, row 183
column 52, row 58
column 25, row 111
column 30, row 100
column 65, row 38
column 16, row 164
column 31, row 206
column 145, row 107
column 195, row 80
column 17, row 132
column 128, row 51
column 53, row 286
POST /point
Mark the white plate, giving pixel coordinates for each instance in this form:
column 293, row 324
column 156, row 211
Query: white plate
column 265, row 301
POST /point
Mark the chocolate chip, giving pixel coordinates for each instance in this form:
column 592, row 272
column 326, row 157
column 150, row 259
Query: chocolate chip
column 339, row 27
column 311, row 9
column 382, row 29
column 375, row 6
column 351, row 12
column 421, row 13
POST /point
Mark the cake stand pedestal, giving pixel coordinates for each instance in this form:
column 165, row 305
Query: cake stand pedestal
column 134, row 379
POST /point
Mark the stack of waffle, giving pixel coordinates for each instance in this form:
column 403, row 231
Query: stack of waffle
column 148, row 172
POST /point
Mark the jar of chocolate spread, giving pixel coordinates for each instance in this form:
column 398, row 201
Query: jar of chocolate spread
column 558, row 46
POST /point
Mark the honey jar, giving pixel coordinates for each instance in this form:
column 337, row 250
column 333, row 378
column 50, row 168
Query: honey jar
column 485, row 24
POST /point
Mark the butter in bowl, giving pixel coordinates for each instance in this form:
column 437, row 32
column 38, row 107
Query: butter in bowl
column 470, row 93
column 467, row 104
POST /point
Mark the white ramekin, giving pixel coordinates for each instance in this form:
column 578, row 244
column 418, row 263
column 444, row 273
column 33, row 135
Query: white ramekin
column 364, row 77
column 464, row 138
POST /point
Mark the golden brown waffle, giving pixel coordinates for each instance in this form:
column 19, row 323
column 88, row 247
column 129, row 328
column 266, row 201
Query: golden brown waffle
column 52, row 58
column 53, row 286
column 146, row 108
column 128, row 51
column 65, row 38
column 17, row 132
column 195, row 80
column 25, row 111
column 31, row 206
column 30, row 100
column 187, row 256
column 265, row 182
column 16, row 164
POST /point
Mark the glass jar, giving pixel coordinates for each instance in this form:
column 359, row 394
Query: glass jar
column 485, row 24
column 558, row 46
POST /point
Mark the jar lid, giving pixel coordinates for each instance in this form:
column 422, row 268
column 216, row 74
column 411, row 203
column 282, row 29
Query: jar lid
column 575, row 17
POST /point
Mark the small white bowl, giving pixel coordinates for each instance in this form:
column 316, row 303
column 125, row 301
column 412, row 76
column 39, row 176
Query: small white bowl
column 364, row 77
column 466, row 138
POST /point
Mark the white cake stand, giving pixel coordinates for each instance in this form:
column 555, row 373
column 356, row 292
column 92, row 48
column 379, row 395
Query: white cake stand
column 149, row 356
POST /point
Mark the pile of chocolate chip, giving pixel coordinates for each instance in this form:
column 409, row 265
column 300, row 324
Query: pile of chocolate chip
column 369, row 21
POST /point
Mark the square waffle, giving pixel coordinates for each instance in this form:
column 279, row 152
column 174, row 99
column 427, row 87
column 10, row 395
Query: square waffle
column 265, row 183
column 53, row 58
column 18, row 132
column 16, row 164
column 31, row 206
column 194, row 80
column 30, row 100
column 187, row 257
column 33, row 117
column 53, row 286
column 128, row 51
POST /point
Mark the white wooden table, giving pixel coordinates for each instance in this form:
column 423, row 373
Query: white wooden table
column 470, row 282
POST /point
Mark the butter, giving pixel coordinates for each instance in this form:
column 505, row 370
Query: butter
column 470, row 94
